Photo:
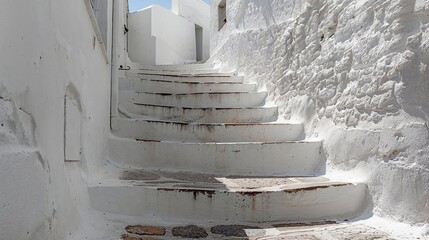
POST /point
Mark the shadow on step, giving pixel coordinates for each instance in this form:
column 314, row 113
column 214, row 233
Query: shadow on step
column 205, row 184
column 202, row 198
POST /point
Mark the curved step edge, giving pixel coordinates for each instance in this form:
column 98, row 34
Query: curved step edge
column 325, row 201
column 245, row 159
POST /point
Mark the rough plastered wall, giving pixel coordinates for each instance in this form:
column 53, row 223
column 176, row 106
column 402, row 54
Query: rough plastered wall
column 23, row 175
column 356, row 73
column 48, row 49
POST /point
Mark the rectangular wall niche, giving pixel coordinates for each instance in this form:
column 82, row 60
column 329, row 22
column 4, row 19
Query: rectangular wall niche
column 72, row 126
column 222, row 14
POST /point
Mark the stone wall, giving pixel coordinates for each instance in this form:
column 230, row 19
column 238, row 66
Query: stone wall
column 356, row 73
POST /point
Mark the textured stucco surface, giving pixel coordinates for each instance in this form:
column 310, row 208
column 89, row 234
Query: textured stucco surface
column 48, row 47
column 356, row 73
column 23, row 175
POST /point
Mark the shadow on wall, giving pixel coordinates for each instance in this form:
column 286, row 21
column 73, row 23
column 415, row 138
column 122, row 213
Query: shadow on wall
column 263, row 6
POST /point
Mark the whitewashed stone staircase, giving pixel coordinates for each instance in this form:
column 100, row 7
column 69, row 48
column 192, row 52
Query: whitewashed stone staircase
column 196, row 144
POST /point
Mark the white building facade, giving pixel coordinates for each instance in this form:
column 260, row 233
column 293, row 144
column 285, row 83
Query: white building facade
column 159, row 36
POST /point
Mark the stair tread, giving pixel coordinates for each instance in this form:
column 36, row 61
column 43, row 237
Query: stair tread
column 193, row 66
column 225, row 99
column 200, row 115
column 189, row 182
column 213, row 124
column 286, row 158
column 208, row 69
column 198, row 197
column 226, row 143
column 196, row 107
column 215, row 143
column 192, row 83
column 205, row 108
column 195, row 78
column 198, row 93
column 184, row 75
column 206, row 132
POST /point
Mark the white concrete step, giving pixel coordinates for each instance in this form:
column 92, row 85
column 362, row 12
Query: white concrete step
column 205, row 132
column 200, row 78
column 245, row 159
column 197, row 198
column 205, row 115
column 182, row 67
column 183, row 73
column 156, row 86
column 172, row 71
column 201, row 100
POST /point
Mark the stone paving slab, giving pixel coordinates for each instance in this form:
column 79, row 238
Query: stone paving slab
column 191, row 231
column 146, row 230
column 295, row 231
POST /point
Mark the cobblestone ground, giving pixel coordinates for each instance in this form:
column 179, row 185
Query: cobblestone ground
column 314, row 231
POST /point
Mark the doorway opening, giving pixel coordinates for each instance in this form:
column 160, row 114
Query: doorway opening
column 199, row 42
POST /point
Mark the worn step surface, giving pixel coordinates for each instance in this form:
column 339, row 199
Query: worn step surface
column 175, row 71
column 211, row 152
column 204, row 115
column 203, row 100
column 198, row 78
column 176, row 68
column 197, row 197
column 159, row 86
column 301, row 158
column 202, row 73
column 205, row 132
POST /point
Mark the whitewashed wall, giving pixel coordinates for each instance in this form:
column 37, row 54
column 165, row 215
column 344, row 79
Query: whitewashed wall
column 142, row 44
column 119, row 51
column 175, row 37
column 157, row 36
column 198, row 12
column 50, row 48
column 356, row 73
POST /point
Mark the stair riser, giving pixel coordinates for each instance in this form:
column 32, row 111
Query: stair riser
column 175, row 71
column 206, row 115
column 332, row 203
column 227, row 100
column 151, row 130
column 178, row 87
column 180, row 68
column 279, row 159
column 197, row 79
